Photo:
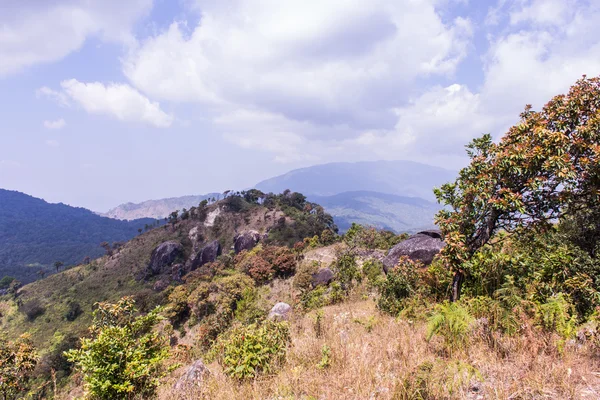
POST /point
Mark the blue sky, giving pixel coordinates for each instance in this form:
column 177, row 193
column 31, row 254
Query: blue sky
column 104, row 102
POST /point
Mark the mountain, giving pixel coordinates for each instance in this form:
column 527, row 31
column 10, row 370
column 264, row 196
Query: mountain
column 403, row 178
column 34, row 234
column 384, row 211
column 157, row 209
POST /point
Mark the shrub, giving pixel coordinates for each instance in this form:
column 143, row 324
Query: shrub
column 17, row 361
column 124, row 354
column 557, row 315
column 451, row 321
column 73, row 311
column 346, row 270
column 248, row 351
column 33, row 309
column 400, row 283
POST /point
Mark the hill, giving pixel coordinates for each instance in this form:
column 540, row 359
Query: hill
column 34, row 234
column 403, row 178
column 157, row 209
column 381, row 210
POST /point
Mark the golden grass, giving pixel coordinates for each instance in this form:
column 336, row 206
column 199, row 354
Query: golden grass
column 375, row 356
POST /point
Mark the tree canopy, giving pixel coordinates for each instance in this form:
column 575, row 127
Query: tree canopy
column 545, row 168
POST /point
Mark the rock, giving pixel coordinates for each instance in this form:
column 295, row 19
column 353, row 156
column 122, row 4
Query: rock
column 194, row 375
column 421, row 247
column 195, row 236
column 163, row 256
column 208, row 253
column 245, row 240
column 434, row 233
column 322, row 277
column 177, row 272
column 160, row 285
column 280, row 312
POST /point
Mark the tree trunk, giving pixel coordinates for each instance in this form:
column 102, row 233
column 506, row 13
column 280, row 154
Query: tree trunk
column 459, row 277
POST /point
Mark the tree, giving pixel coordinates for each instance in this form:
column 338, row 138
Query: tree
column 140, row 229
column 57, row 265
column 545, row 168
column 107, row 248
column 17, row 361
column 124, row 354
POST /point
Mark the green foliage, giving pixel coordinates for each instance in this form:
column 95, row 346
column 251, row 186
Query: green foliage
column 17, row 360
column 6, row 281
column 400, row 284
column 346, row 270
column 325, row 361
column 123, row 357
column 452, row 322
column 248, row 351
column 557, row 315
column 371, row 238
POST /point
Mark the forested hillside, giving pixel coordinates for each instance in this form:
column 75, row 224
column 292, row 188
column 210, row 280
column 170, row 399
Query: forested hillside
column 35, row 234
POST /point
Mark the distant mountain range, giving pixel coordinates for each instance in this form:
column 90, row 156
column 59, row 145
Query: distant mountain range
column 381, row 210
column 396, row 195
column 34, row 234
column 157, row 209
column 402, row 178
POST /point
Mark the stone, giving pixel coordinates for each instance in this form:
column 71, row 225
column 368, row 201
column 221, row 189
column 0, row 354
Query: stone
column 421, row 247
column 160, row 285
column 245, row 241
column 322, row 277
column 193, row 376
column 195, row 236
column 207, row 254
column 163, row 256
column 280, row 312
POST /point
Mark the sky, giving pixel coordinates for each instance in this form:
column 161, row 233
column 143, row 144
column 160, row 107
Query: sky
column 109, row 101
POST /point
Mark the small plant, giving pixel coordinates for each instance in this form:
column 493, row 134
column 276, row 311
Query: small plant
column 124, row 354
column 557, row 315
column 325, row 357
column 318, row 323
column 248, row 351
column 17, row 361
column 368, row 323
column 400, row 283
column 451, row 321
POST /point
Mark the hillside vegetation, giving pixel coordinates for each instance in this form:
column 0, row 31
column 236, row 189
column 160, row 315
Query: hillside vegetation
column 502, row 303
column 35, row 234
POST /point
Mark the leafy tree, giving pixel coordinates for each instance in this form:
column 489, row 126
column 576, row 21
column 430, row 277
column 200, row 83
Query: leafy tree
column 58, row 264
column 124, row 354
column 17, row 361
column 545, row 168
column 6, row 281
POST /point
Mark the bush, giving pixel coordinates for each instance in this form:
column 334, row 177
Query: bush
column 248, row 351
column 17, row 361
column 400, row 283
column 33, row 309
column 452, row 321
column 73, row 311
column 123, row 357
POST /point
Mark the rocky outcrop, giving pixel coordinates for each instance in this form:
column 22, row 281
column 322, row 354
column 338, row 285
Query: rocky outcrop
column 160, row 285
column 322, row 277
column 193, row 376
column 280, row 312
column 196, row 237
column 163, row 256
column 423, row 247
column 207, row 254
column 245, row 240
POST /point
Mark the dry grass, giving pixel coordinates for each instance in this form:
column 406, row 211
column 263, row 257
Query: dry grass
column 374, row 356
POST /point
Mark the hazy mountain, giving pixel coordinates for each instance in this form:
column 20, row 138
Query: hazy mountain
column 34, row 234
column 403, row 178
column 386, row 211
column 157, row 209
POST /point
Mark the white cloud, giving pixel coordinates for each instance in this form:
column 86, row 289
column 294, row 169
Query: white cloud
column 328, row 62
column 52, row 143
column 120, row 101
column 32, row 33
column 57, row 124
column 58, row 97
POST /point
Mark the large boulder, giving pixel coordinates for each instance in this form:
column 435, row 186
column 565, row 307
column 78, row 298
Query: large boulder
column 196, row 237
column 207, row 254
column 423, row 247
column 193, row 376
column 322, row 277
column 280, row 312
column 163, row 256
column 245, row 240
